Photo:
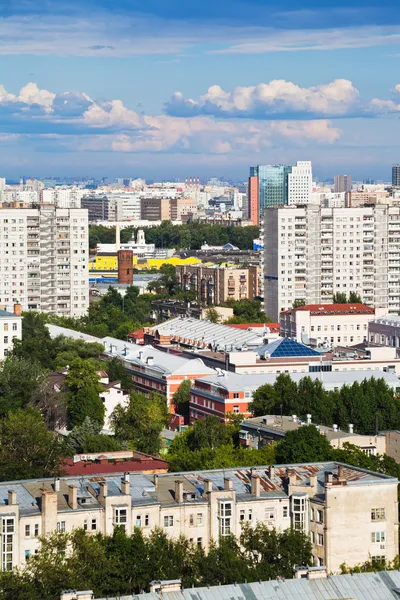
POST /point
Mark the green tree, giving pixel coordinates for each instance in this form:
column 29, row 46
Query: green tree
column 298, row 303
column 27, row 449
column 339, row 298
column 83, row 389
column 265, row 401
column 181, row 398
column 355, row 298
column 302, row 445
column 247, row 311
column 213, row 315
column 117, row 372
column 20, row 378
column 142, row 421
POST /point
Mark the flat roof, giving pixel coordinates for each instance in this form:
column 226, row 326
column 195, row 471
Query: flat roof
column 334, row 309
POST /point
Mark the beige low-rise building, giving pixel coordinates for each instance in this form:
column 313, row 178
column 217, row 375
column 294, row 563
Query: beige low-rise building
column 350, row 514
column 216, row 284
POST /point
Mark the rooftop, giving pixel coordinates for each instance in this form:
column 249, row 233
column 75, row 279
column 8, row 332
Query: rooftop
column 159, row 489
column 384, row 585
column 195, row 332
column 4, row 314
column 113, row 462
column 286, row 348
column 387, row 320
column 268, row 327
column 334, row 309
column 237, row 382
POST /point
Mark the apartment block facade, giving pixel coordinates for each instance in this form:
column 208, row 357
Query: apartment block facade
column 10, row 330
column 44, row 259
column 217, row 284
column 312, row 253
column 350, row 514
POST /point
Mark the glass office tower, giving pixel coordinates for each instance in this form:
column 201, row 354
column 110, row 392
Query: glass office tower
column 272, row 184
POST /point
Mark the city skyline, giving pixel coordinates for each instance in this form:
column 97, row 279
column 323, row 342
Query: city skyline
column 201, row 89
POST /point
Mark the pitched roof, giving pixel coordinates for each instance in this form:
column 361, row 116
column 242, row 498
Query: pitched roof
column 4, row 314
column 286, row 348
column 335, row 309
column 273, row 327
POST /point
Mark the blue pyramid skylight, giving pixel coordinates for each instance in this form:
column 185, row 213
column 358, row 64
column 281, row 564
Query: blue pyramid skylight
column 285, row 348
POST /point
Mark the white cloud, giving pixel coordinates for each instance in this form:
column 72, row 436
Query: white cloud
column 31, row 94
column 111, row 114
column 276, row 99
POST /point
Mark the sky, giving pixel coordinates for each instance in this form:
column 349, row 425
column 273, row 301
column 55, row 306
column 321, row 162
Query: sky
column 168, row 89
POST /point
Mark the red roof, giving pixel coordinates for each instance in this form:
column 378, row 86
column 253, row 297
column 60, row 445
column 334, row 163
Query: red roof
column 335, row 309
column 273, row 327
column 137, row 335
column 145, row 464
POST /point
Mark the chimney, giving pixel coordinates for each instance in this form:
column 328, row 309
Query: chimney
column 328, row 477
column 340, row 473
column 255, row 485
column 335, row 427
column 291, row 476
column 271, row 471
column 49, row 511
column 313, row 483
column 294, row 417
column 207, row 486
column 156, row 481
column 179, row 491
column 73, row 497
column 17, row 309
column 150, row 360
column 56, row 484
column 103, row 491
column 351, row 428
column 126, row 485
column 12, row 497
column 308, row 419
column 227, row 484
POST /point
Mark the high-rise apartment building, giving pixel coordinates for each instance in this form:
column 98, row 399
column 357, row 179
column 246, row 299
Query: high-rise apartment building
column 342, row 183
column 396, row 176
column 311, row 253
column 155, row 209
column 278, row 185
column 44, row 260
column 63, row 197
column 98, row 207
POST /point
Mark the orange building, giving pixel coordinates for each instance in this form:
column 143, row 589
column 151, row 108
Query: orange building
column 253, row 200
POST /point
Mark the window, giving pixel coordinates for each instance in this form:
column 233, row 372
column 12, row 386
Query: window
column 320, row 562
column 236, row 395
column 269, row 514
column 6, row 339
column 199, row 542
column 120, row 516
column 378, row 536
column 169, row 521
column 199, row 519
column 15, row 327
column 312, row 537
column 377, row 514
column 320, row 516
column 36, row 529
column 5, row 326
column 312, row 518
column 94, row 524
column 236, row 410
column 27, row 531
column 61, row 527
column 250, row 514
column 320, row 539
column 242, row 515
column 191, row 520
column 27, row 554
column 146, row 520
column 85, row 525
column 378, row 560
column 138, row 520
column 285, row 511
column 225, row 514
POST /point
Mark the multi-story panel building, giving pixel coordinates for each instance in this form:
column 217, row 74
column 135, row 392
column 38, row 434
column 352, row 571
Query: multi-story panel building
column 155, row 209
column 217, row 284
column 396, row 176
column 350, row 514
column 43, row 260
column 63, row 197
column 98, row 207
column 342, row 183
column 10, row 329
column 300, row 183
column 311, row 253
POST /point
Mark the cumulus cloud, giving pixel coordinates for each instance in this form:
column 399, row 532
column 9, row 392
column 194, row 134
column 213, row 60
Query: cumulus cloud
column 280, row 99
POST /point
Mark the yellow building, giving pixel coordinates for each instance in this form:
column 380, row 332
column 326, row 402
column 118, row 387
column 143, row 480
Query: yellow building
column 109, row 262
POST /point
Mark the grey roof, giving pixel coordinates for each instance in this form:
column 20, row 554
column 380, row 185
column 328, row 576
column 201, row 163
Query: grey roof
column 144, row 492
column 387, row 320
column 383, row 585
column 55, row 331
column 4, row 314
column 233, row 382
column 221, row 337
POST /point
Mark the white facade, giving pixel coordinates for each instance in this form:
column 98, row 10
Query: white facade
column 300, row 183
column 312, row 253
column 351, row 515
column 63, row 197
column 329, row 199
column 44, row 257
column 10, row 330
column 328, row 324
column 17, row 195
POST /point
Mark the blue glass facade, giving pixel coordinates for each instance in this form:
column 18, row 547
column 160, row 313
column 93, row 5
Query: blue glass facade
column 272, row 185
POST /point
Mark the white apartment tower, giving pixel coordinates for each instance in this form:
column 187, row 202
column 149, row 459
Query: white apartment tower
column 311, row 253
column 44, row 260
column 63, row 197
column 300, row 183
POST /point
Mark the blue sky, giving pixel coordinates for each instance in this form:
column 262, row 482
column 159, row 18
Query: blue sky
column 171, row 88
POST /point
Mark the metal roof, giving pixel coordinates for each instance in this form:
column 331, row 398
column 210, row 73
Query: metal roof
column 387, row 320
column 383, row 585
column 233, row 382
column 195, row 331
